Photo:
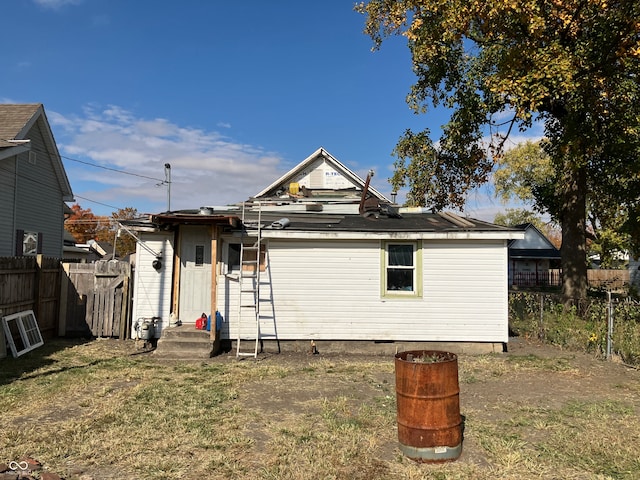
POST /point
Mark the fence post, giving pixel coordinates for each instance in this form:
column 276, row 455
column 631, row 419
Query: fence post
column 540, row 320
column 609, row 324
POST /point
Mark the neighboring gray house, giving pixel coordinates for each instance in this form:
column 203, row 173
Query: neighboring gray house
column 34, row 184
column 336, row 263
column 533, row 260
column 84, row 252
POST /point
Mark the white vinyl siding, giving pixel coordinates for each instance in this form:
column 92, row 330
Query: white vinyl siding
column 153, row 287
column 331, row 290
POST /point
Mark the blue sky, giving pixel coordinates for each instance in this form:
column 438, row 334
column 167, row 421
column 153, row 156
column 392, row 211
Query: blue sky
column 231, row 94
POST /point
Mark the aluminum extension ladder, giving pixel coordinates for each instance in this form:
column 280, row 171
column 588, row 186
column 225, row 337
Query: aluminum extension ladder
column 249, row 282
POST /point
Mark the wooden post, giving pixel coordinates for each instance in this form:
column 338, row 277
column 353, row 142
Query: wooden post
column 214, row 281
column 123, row 332
column 37, row 288
column 64, row 298
column 175, row 304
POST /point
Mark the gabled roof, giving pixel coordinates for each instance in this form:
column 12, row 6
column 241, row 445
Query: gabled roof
column 322, row 174
column 330, row 210
column 534, row 244
column 16, row 120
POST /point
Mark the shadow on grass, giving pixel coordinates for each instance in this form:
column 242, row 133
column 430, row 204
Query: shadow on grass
column 12, row 369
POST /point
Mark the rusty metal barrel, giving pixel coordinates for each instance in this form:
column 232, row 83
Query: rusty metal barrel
column 428, row 400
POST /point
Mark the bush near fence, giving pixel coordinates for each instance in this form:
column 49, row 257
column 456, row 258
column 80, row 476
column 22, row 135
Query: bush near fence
column 581, row 327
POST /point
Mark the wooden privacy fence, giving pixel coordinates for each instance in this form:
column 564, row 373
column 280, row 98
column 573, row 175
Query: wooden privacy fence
column 31, row 283
column 70, row 299
column 96, row 299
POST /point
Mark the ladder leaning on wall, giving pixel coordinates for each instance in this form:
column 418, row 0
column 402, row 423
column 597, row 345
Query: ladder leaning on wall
column 249, row 283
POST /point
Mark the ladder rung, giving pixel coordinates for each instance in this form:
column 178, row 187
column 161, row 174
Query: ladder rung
column 249, row 291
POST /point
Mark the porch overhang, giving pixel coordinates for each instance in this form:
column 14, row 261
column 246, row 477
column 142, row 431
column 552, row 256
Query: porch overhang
column 174, row 219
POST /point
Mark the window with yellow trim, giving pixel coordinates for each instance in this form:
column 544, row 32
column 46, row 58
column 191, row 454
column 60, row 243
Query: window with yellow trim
column 402, row 272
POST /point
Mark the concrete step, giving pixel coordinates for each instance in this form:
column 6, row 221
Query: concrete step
column 184, row 342
column 185, row 331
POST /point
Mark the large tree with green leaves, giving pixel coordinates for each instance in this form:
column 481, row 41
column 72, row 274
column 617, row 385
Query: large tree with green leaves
column 502, row 64
column 526, row 173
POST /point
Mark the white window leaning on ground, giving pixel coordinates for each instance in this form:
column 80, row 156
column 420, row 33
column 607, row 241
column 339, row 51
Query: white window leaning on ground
column 401, row 270
column 22, row 332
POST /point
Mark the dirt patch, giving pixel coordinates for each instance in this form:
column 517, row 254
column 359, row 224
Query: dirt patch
column 492, row 390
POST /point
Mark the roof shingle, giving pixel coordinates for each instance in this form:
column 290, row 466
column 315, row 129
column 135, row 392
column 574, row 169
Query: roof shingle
column 13, row 118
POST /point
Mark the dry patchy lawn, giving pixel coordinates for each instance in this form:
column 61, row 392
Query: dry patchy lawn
column 103, row 410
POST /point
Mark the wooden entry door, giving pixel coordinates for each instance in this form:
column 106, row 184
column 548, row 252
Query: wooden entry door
column 195, row 272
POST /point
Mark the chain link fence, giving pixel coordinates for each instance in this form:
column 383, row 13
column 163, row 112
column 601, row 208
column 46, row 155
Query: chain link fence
column 607, row 327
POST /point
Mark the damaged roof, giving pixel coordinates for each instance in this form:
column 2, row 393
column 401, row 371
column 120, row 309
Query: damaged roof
column 409, row 220
column 322, row 198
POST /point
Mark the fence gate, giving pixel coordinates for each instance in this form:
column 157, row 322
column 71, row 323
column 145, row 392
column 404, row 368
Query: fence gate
column 97, row 299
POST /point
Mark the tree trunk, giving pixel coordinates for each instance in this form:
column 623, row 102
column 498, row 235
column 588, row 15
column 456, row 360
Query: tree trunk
column 574, row 244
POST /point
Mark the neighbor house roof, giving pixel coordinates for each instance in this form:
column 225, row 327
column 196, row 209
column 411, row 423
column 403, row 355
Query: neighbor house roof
column 534, row 245
column 16, row 121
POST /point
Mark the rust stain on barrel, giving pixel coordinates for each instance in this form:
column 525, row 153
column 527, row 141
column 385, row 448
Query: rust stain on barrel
column 428, row 405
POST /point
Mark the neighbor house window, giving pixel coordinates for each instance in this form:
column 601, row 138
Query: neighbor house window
column 402, row 274
column 28, row 243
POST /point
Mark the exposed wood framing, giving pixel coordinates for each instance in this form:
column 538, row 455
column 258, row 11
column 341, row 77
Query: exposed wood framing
column 215, row 233
column 175, row 304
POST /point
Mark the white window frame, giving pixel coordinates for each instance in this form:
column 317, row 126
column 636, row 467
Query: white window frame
column 416, row 267
column 31, row 237
column 27, row 327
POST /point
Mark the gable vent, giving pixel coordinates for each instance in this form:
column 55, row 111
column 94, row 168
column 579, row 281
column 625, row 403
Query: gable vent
column 32, row 158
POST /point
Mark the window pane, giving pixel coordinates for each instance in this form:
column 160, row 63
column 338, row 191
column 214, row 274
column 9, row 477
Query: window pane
column 233, row 262
column 400, row 279
column 199, row 255
column 401, row 255
column 30, row 243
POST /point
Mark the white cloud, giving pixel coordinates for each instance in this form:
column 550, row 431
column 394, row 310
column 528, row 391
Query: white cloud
column 207, row 168
column 56, row 4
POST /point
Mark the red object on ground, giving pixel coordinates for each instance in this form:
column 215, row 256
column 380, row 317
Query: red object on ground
column 201, row 323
